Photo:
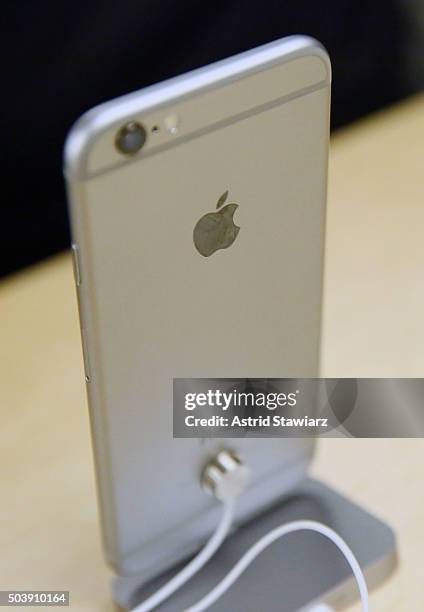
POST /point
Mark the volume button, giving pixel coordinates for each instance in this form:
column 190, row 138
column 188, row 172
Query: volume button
column 76, row 266
column 85, row 356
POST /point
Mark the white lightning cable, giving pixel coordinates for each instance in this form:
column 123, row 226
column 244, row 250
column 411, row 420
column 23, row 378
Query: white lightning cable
column 268, row 539
column 195, row 565
column 222, row 587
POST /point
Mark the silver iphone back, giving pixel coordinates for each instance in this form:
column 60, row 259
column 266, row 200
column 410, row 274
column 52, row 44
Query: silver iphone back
column 159, row 299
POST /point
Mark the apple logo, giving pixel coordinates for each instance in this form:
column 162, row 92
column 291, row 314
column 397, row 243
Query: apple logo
column 216, row 230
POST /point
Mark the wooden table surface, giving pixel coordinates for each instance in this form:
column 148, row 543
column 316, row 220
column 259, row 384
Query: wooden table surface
column 373, row 326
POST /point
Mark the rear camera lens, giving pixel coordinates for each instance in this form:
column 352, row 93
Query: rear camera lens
column 130, row 138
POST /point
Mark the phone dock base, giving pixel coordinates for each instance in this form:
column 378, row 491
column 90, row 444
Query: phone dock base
column 295, row 572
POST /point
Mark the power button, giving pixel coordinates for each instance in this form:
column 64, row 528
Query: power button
column 76, row 266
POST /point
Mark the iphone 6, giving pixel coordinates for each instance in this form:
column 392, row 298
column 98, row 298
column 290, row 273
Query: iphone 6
column 198, row 217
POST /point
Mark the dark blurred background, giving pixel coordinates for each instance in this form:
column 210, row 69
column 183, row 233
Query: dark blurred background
column 64, row 57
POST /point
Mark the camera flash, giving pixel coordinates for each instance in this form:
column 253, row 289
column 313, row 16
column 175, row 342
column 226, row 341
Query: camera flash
column 171, row 123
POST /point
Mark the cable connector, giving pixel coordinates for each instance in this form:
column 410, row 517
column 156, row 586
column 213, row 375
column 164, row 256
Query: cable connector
column 225, row 476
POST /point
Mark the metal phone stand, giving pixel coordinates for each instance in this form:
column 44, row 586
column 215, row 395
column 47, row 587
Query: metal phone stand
column 293, row 573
